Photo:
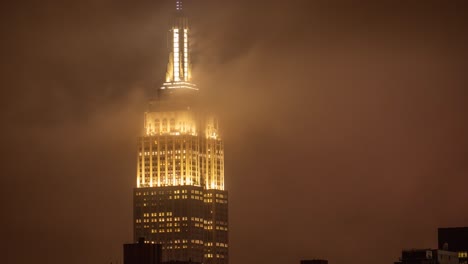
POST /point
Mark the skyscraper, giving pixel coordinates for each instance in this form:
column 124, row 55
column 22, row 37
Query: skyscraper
column 180, row 199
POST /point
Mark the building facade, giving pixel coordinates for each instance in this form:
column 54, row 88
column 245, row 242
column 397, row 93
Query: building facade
column 454, row 239
column 314, row 261
column 180, row 199
column 428, row 256
column 142, row 253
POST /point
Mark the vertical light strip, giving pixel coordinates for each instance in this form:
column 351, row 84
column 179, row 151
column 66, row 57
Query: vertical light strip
column 221, row 156
column 197, row 163
column 186, row 74
column 211, row 157
column 181, row 164
column 143, row 165
column 151, row 163
column 166, row 161
column 138, row 169
column 173, row 154
column 214, row 166
column 176, row 55
column 159, row 161
column 188, row 163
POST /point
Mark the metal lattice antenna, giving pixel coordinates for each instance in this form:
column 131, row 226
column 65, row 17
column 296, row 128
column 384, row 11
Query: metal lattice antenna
column 179, row 5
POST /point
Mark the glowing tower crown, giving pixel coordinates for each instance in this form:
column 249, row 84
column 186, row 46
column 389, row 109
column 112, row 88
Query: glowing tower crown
column 179, row 70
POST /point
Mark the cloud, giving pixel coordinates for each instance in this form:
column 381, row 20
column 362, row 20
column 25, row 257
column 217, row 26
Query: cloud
column 344, row 124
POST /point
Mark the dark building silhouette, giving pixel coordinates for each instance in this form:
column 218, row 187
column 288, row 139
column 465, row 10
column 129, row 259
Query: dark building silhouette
column 180, row 200
column 428, row 256
column 454, row 239
column 314, row 261
column 181, row 262
column 142, row 253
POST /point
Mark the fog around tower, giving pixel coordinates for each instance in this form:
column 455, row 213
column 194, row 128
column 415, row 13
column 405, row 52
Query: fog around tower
column 344, row 124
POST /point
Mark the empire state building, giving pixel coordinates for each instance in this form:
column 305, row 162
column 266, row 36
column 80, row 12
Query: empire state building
column 180, row 199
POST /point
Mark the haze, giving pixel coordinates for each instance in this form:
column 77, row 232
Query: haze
column 345, row 124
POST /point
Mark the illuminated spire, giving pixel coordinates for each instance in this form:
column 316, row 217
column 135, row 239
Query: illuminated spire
column 179, row 72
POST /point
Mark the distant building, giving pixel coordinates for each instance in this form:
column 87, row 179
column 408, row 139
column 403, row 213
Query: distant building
column 455, row 239
column 314, row 261
column 181, row 262
column 428, row 256
column 142, row 253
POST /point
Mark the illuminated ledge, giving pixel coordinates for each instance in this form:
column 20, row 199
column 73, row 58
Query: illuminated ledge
column 180, row 183
column 179, row 85
column 175, row 184
column 152, row 133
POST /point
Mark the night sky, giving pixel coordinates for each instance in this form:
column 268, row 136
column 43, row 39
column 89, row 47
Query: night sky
column 345, row 123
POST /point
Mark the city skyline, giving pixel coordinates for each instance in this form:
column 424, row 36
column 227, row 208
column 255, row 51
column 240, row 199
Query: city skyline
column 347, row 120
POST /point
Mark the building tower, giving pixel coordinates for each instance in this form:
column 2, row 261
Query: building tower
column 454, row 239
column 180, row 199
